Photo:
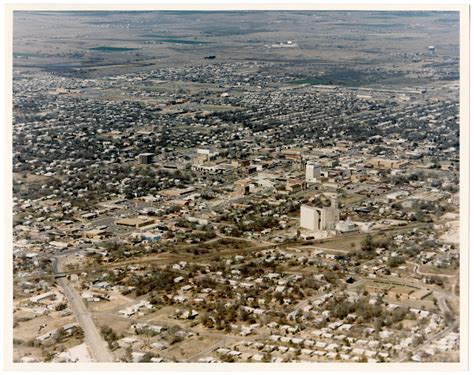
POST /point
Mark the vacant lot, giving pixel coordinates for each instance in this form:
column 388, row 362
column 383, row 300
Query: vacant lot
column 352, row 243
column 189, row 347
column 118, row 325
column 30, row 329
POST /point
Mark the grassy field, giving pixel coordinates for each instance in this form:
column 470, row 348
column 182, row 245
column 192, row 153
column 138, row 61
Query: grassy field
column 310, row 81
column 117, row 325
column 29, row 177
column 345, row 243
column 25, row 54
column 437, row 270
column 162, row 316
column 175, row 40
column 361, row 39
column 355, row 198
column 453, row 305
column 112, row 49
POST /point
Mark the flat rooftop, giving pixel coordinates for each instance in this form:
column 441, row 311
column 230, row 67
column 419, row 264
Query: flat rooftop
column 133, row 222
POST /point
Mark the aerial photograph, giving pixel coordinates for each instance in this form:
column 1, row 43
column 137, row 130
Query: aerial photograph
column 257, row 186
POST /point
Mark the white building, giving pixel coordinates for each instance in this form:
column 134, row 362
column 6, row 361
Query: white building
column 317, row 219
column 313, row 172
column 346, row 226
column 309, row 218
column 209, row 152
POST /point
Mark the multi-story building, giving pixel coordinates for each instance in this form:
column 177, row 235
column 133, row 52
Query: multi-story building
column 146, row 158
column 313, row 172
column 316, row 219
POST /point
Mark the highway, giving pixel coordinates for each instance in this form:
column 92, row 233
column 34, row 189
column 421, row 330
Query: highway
column 97, row 346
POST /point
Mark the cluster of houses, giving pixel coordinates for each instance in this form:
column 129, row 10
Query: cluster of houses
column 94, row 177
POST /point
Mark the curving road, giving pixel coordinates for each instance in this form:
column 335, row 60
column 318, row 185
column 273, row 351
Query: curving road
column 416, row 269
column 428, row 342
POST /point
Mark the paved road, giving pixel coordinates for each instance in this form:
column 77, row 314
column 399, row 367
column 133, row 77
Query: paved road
column 96, row 344
column 417, row 267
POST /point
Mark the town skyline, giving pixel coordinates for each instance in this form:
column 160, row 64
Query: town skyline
column 236, row 186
